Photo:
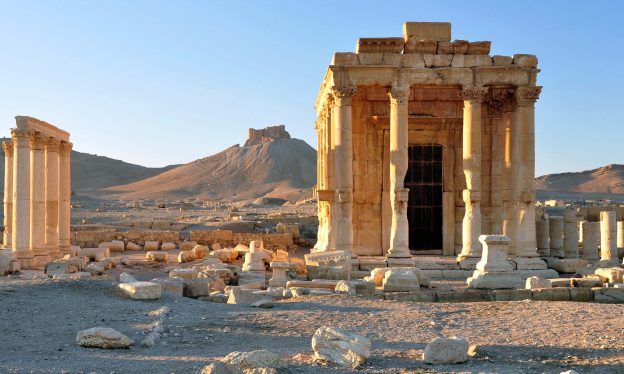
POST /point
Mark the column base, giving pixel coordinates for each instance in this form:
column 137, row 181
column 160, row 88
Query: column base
column 398, row 262
column 495, row 280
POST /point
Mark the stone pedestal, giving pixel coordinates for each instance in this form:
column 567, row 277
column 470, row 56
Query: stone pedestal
column 608, row 237
column 591, row 240
column 556, row 236
column 494, row 271
column 401, row 280
column 542, row 237
column 279, row 278
column 255, row 259
column 570, row 234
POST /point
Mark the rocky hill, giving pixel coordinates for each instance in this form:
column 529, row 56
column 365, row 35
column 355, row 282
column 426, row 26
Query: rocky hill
column 271, row 164
column 605, row 180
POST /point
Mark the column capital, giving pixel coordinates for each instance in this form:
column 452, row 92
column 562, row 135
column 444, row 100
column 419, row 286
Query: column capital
column 20, row 137
column 52, row 145
column 65, row 148
column 342, row 95
column 475, row 93
column 528, row 95
column 504, row 99
column 37, row 142
column 8, row 148
column 399, row 95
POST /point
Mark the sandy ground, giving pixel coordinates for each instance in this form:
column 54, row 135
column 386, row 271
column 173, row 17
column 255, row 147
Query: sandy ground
column 39, row 321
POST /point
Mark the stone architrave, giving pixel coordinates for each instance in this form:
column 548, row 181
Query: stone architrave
column 591, row 240
column 52, row 197
column 37, row 202
column 525, row 112
column 570, row 234
column 608, row 237
column 398, row 253
column 21, row 197
column 556, row 236
column 542, row 233
column 471, row 226
column 494, row 270
column 8, row 193
column 343, row 166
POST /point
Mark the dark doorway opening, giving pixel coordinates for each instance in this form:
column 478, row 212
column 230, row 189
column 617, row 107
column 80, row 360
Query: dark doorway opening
column 424, row 209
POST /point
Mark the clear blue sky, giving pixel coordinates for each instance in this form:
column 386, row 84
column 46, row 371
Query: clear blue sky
column 162, row 82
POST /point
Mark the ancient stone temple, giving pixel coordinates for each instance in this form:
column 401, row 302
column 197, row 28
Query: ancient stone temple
column 37, row 192
column 424, row 144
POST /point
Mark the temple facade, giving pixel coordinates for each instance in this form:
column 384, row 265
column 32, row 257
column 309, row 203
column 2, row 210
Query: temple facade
column 424, row 144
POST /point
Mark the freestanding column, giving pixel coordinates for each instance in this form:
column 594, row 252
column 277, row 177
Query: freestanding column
column 64, row 196
column 399, row 253
column 343, row 166
column 8, row 193
column 620, row 234
column 570, row 234
column 471, row 227
column 556, row 236
column 510, row 170
column 52, row 198
column 37, row 202
column 608, row 233
column 591, row 240
column 21, row 197
column 542, row 233
column 525, row 236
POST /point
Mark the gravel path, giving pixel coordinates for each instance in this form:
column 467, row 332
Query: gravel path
column 39, row 321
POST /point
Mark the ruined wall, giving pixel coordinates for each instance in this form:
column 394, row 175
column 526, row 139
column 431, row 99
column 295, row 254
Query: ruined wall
column 267, row 134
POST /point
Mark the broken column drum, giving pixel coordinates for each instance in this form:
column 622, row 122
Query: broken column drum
column 556, row 236
column 570, row 234
column 608, row 237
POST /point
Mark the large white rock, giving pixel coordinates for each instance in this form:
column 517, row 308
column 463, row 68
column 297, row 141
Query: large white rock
column 401, row 279
column 446, row 351
column 338, row 346
column 102, row 337
column 126, row 278
column 142, row 290
column 537, row 282
column 254, row 359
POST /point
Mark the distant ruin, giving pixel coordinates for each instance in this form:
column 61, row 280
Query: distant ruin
column 267, row 134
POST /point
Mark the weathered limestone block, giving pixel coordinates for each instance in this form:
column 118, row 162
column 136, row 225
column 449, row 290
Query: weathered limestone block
column 468, row 61
column 460, row 46
column 219, row 367
column 438, row 31
column 133, row 247
column 254, row 360
column 525, row 61
column 113, row 246
column 613, row 274
column 566, row 265
column 502, row 60
column 59, row 267
column 94, row 254
column 188, row 273
column 479, row 48
column 245, row 296
column 186, row 256
column 608, row 237
column 151, row 245
column 126, row 278
column 551, row 294
column 536, row 282
column 187, row 245
column 609, row 295
column 157, row 256
column 446, row 351
column 198, row 287
column 95, row 268
column 529, row 263
column 445, row 48
column 420, row 46
column 199, row 251
column 355, row 287
column 400, row 280
column 412, row 60
column 103, row 337
column 340, row 347
column 173, row 286
column 344, row 59
column 556, row 236
column 437, row 60
column 142, row 290
column 225, row 255
column 379, row 45
column 168, row 246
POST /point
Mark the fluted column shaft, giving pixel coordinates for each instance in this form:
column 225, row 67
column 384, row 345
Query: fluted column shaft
column 343, row 167
column 511, row 172
column 64, row 197
column 21, row 197
column 37, row 202
column 52, row 198
column 525, row 236
column 399, row 230
column 8, row 194
column 471, row 228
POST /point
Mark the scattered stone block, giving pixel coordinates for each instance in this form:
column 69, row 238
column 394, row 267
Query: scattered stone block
column 167, row 246
column 220, row 367
column 196, row 287
column 151, row 245
column 188, row 273
column 94, row 254
column 340, row 347
column 142, row 290
column 157, row 256
column 126, row 278
column 446, row 351
column 536, row 282
column 200, row 251
column 586, row 282
column 186, row 256
column 133, row 247
column 113, row 246
column 401, row 280
column 612, row 274
column 187, row 245
column 279, row 278
column 254, row 359
column 173, row 286
column 103, row 337
column 245, row 296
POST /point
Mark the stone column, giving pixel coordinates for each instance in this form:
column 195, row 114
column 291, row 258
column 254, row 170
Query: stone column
column 542, row 233
column 343, row 167
column 37, row 202
column 399, row 253
column 8, row 193
column 608, row 237
column 556, row 236
column 570, row 234
column 21, row 198
column 52, row 198
column 64, row 223
column 591, row 240
column 620, row 234
column 511, row 169
column 525, row 112
column 471, row 227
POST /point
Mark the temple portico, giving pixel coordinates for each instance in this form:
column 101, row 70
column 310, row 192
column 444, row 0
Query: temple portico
column 425, row 144
column 37, row 192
